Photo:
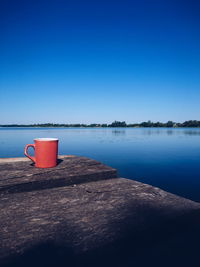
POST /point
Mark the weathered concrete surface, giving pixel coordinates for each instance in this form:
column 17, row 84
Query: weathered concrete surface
column 109, row 222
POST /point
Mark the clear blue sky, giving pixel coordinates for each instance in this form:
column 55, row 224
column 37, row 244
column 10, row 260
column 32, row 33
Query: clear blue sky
column 97, row 61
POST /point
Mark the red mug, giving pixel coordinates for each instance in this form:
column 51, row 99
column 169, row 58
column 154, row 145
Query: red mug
column 46, row 152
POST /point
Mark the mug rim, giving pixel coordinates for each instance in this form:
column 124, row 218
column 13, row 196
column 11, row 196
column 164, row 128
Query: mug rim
column 46, row 139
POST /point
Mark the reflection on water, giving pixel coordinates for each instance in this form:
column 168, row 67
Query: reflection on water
column 118, row 132
column 164, row 131
column 164, row 157
column 190, row 132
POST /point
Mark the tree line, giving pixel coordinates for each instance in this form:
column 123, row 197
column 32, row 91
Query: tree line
column 169, row 124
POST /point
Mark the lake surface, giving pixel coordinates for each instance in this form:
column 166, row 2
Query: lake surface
column 166, row 158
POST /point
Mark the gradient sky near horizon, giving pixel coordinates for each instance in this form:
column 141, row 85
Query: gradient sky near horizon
column 99, row 61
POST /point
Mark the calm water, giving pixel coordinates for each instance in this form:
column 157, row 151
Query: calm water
column 166, row 158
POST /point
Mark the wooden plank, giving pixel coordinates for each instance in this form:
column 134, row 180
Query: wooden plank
column 114, row 222
column 17, row 159
column 19, row 176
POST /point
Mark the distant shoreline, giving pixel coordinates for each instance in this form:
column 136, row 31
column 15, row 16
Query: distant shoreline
column 128, row 127
column 115, row 124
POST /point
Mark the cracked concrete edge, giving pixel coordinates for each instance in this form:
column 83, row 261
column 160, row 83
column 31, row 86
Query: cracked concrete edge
column 10, row 160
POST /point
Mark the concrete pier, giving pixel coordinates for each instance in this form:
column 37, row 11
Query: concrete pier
column 80, row 214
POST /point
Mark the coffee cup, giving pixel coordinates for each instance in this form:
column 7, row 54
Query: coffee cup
column 45, row 152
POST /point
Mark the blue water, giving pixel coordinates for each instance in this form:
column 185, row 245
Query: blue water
column 166, row 158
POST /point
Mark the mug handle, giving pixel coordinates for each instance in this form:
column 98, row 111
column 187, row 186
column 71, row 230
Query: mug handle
column 26, row 151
